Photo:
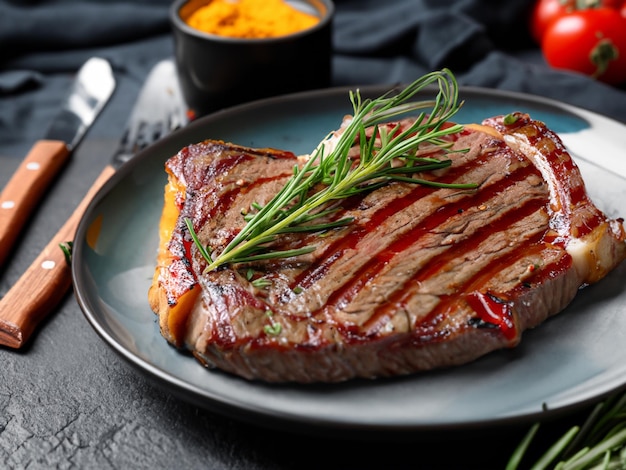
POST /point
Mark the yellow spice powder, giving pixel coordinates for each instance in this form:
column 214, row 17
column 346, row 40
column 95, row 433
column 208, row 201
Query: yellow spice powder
column 250, row 18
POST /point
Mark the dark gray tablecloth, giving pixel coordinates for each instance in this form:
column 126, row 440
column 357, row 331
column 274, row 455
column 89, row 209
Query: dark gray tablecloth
column 67, row 400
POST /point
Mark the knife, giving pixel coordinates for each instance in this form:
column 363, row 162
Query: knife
column 90, row 91
column 159, row 110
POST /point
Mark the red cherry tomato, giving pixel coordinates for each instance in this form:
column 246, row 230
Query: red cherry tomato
column 545, row 12
column 591, row 41
column 617, row 4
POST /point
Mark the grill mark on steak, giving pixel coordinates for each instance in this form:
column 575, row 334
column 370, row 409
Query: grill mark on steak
column 402, row 197
column 424, row 224
column 456, row 257
column 220, row 197
column 432, row 224
column 423, row 278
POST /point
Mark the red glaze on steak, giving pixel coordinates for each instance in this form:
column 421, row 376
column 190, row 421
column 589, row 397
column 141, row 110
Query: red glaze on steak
column 423, row 278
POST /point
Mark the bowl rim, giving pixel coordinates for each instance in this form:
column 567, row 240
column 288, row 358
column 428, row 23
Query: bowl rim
column 182, row 26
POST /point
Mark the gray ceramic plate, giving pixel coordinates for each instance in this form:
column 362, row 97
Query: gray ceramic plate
column 570, row 361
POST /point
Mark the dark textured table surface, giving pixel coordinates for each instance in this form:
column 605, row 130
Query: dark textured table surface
column 67, row 400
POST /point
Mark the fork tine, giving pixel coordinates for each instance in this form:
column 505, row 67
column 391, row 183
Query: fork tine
column 158, row 111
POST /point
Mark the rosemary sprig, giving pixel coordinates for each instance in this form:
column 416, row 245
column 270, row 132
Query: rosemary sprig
column 600, row 443
column 385, row 155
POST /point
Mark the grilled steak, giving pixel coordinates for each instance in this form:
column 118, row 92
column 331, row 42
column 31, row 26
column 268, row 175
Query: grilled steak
column 423, row 278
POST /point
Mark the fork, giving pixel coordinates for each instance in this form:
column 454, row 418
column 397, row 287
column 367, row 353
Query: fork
column 159, row 110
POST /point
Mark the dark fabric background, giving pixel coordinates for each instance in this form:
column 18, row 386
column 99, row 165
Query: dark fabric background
column 484, row 42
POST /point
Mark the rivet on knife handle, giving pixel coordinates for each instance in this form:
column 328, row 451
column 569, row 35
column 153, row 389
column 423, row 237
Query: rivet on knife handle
column 25, row 188
column 45, row 283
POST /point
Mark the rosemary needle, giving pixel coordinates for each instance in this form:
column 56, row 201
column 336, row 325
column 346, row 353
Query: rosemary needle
column 385, row 155
column 599, row 443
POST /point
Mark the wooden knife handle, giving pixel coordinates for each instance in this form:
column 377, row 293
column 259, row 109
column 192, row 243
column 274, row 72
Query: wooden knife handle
column 46, row 282
column 26, row 187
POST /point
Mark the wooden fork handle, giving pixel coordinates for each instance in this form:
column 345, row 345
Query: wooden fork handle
column 26, row 187
column 46, row 282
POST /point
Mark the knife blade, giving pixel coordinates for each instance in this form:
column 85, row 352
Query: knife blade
column 91, row 89
column 158, row 110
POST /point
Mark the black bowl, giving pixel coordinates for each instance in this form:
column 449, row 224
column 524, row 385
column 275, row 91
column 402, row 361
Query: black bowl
column 217, row 71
